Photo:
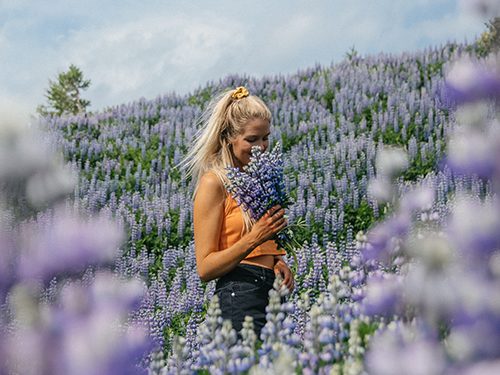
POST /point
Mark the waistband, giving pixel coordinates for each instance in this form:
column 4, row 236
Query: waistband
column 243, row 271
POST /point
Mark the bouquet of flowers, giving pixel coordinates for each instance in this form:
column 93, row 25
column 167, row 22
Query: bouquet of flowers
column 261, row 187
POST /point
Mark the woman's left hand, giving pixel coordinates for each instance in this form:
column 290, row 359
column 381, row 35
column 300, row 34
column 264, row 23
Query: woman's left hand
column 280, row 267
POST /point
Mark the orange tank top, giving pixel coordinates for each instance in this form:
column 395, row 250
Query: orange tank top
column 232, row 230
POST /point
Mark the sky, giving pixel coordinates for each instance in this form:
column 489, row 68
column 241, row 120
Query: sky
column 134, row 49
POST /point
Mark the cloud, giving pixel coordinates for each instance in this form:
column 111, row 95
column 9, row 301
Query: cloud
column 155, row 48
column 455, row 25
column 282, row 41
column 151, row 56
column 374, row 27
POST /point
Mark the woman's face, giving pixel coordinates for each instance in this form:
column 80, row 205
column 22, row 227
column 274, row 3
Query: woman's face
column 256, row 133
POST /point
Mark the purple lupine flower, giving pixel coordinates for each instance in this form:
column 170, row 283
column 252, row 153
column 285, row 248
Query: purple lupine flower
column 475, row 151
column 394, row 353
column 319, row 338
column 69, row 245
column 382, row 245
column 344, row 152
column 474, row 229
column 79, row 335
column 277, row 334
column 469, row 81
column 261, row 187
column 219, row 350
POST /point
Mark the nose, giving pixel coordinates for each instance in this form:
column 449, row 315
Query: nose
column 263, row 145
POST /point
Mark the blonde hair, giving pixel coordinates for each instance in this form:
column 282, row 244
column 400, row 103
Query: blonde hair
column 223, row 120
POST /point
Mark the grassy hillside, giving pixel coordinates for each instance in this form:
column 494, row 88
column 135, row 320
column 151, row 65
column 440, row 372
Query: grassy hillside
column 331, row 121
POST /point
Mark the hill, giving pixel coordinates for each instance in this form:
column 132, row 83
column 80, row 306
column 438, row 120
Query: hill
column 332, row 122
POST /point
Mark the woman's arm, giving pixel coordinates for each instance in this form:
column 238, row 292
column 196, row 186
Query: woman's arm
column 208, row 214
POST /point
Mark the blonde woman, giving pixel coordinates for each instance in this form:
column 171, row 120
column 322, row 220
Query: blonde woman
column 229, row 247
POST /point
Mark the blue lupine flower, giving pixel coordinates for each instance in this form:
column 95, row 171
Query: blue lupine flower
column 261, row 186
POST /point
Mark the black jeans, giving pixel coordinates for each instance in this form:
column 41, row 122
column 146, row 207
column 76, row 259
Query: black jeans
column 245, row 291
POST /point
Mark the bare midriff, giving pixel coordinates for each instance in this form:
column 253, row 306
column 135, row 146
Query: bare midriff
column 232, row 231
column 266, row 261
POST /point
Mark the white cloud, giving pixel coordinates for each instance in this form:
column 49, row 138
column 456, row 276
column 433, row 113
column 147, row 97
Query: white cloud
column 453, row 26
column 150, row 56
column 283, row 40
column 393, row 26
column 155, row 48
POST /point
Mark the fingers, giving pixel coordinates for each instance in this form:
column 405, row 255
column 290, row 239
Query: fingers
column 278, row 215
column 276, row 210
column 276, row 219
column 281, row 223
column 288, row 280
column 270, row 224
column 288, row 283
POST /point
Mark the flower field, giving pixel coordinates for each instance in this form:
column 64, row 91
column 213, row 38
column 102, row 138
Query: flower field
column 393, row 167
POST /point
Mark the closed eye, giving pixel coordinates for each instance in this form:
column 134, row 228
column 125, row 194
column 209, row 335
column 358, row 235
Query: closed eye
column 256, row 139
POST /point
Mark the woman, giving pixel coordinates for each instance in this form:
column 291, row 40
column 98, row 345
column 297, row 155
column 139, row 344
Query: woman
column 229, row 247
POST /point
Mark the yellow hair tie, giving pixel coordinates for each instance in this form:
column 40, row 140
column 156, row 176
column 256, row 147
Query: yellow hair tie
column 240, row 92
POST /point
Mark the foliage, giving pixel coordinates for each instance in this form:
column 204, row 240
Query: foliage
column 56, row 286
column 352, row 53
column 490, row 39
column 334, row 123
column 260, row 187
column 63, row 94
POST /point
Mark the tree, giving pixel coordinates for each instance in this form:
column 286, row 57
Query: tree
column 63, row 95
column 352, row 53
column 490, row 39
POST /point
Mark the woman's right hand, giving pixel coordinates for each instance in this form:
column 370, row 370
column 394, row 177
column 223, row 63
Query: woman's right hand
column 269, row 224
column 208, row 212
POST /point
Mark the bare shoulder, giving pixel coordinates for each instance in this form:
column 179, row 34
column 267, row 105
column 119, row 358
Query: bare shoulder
column 211, row 180
column 211, row 187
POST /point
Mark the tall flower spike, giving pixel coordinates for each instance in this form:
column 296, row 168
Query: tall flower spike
column 261, row 187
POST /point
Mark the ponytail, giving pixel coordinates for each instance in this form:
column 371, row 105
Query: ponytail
column 224, row 119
